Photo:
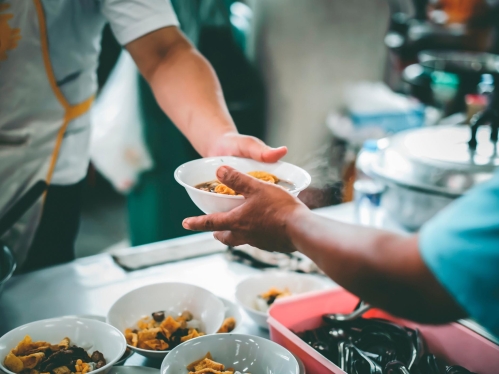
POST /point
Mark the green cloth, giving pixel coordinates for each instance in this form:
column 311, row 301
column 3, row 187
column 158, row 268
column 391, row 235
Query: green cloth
column 158, row 204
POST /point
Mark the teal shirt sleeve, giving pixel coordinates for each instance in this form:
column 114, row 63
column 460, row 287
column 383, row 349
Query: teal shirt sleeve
column 461, row 248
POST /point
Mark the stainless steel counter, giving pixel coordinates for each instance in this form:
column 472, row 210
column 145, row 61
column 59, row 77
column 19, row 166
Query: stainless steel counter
column 89, row 286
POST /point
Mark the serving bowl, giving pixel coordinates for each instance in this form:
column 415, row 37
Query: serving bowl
column 173, row 299
column 248, row 290
column 89, row 334
column 203, row 170
column 244, row 353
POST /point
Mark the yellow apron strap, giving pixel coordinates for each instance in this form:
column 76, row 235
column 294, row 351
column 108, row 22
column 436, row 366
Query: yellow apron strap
column 71, row 111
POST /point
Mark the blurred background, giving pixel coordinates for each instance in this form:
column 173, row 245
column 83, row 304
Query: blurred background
column 323, row 77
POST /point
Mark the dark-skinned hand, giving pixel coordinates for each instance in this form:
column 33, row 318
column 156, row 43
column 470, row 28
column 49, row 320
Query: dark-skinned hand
column 261, row 221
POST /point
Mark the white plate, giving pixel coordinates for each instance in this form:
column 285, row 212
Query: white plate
column 203, row 170
column 248, row 290
column 86, row 333
column 173, row 298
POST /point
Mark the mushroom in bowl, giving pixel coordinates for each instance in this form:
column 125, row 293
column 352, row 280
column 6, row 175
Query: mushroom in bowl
column 157, row 317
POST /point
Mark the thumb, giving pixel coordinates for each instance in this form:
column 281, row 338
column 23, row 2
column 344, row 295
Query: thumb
column 239, row 182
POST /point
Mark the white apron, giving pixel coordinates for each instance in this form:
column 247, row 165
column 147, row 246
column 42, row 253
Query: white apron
column 34, row 113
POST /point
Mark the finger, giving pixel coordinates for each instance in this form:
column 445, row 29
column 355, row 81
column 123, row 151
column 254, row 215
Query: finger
column 228, row 238
column 239, row 182
column 210, row 222
column 254, row 148
column 272, row 155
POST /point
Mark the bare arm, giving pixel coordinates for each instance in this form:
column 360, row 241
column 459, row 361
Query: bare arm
column 187, row 89
column 381, row 268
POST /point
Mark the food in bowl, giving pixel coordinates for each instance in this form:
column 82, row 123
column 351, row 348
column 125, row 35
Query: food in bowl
column 160, row 333
column 228, row 325
column 266, row 299
column 208, row 365
column 216, row 186
column 30, row 357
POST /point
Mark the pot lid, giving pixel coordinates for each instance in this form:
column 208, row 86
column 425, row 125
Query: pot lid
column 437, row 159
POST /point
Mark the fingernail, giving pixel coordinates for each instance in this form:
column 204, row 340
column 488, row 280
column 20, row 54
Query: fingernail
column 221, row 171
column 185, row 223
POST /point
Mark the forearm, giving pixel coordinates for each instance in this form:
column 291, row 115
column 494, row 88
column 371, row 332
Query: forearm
column 187, row 89
column 382, row 268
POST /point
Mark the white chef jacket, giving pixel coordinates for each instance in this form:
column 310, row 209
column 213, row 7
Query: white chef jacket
column 74, row 29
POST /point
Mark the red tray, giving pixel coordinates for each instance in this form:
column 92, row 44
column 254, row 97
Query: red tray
column 454, row 343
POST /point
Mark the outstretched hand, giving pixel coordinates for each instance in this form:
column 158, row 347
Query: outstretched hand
column 262, row 221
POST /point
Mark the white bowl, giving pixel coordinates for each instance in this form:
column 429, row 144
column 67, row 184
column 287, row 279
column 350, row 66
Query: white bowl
column 173, row 298
column 248, row 290
column 203, row 170
column 89, row 334
column 245, row 353
column 233, row 310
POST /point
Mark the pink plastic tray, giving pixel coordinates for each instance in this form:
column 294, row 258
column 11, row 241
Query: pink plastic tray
column 454, row 343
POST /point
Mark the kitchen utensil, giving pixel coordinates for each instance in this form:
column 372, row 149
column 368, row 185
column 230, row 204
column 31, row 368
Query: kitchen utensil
column 426, row 169
column 360, row 309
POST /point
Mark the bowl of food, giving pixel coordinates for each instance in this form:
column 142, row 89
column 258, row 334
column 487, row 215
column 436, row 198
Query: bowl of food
column 230, row 353
column 256, row 294
column 61, row 346
column 200, row 181
column 158, row 317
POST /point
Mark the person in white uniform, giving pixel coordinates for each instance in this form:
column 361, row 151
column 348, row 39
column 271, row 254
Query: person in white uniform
column 48, row 59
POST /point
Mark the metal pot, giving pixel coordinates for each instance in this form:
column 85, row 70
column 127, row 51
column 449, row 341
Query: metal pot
column 426, row 169
column 7, row 265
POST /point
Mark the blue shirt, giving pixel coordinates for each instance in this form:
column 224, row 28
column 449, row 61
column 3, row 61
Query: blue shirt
column 461, row 248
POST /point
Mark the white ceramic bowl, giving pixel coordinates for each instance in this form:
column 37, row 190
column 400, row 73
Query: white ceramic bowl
column 248, row 290
column 245, row 353
column 89, row 334
column 203, row 170
column 233, row 310
column 173, row 298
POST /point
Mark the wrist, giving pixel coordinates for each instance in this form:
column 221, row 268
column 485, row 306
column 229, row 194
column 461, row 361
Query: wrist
column 296, row 222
